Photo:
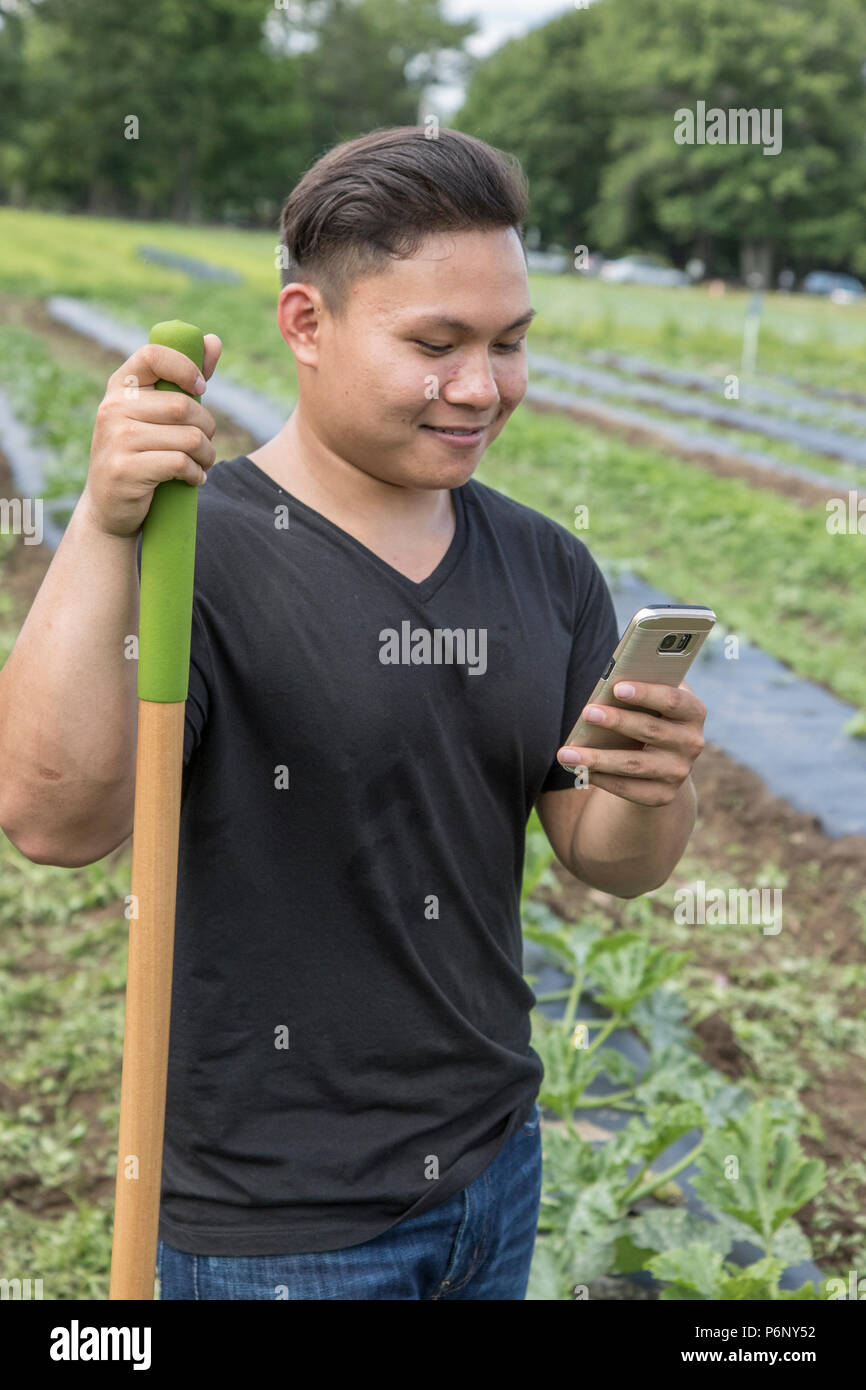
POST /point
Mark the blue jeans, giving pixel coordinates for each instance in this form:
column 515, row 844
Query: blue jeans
column 476, row 1245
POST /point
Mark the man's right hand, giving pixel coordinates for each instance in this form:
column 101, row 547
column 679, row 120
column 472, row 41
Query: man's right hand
column 143, row 437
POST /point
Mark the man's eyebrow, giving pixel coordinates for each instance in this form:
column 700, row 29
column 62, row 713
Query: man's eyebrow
column 439, row 321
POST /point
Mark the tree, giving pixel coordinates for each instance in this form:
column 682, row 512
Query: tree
column 227, row 113
column 661, row 56
column 541, row 97
column 588, row 102
column 365, row 62
column 11, row 93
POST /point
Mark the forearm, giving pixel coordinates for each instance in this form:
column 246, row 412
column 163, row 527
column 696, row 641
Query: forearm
column 68, row 697
column 626, row 849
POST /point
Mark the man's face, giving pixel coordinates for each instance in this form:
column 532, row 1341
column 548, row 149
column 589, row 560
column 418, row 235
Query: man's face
column 391, row 372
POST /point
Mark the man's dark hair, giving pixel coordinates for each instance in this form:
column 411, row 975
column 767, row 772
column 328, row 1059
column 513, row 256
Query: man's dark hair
column 377, row 197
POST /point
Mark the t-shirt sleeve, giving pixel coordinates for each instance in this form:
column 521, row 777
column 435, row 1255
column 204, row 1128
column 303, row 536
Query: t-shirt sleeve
column 197, row 700
column 595, row 638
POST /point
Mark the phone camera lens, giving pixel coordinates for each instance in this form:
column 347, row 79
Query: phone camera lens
column 674, row 642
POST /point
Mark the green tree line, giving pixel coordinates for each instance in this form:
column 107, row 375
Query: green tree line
column 588, row 103
column 213, row 112
column 202, row 111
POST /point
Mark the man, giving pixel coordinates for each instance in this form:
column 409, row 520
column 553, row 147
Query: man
column 385, row 656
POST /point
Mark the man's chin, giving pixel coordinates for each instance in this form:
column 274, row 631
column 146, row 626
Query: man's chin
column 429, row 465
column 446, row 472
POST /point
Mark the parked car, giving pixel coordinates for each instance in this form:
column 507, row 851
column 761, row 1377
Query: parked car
column 591, row 265
column 547, row 260
column 841, row 289
column 643, row 270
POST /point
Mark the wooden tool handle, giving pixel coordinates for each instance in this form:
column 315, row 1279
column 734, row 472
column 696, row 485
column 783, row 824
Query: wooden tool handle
column 159, row 765
column 167, row 571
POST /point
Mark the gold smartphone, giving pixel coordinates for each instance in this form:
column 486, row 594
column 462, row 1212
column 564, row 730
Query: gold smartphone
column 658, row 646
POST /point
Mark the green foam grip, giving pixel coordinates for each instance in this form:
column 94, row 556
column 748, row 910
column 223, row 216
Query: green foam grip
column 168, row 558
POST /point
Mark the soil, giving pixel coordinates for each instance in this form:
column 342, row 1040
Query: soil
column 652, row 436
column 78, row 351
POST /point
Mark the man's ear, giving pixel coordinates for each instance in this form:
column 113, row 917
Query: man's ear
column 299, row 313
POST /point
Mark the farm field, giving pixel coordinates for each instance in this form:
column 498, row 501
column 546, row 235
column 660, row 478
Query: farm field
column 783, row 1016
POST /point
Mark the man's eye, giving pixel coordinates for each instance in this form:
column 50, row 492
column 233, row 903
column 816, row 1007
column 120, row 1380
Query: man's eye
column 439, row 347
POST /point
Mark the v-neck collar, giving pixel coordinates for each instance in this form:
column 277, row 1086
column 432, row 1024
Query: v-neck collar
column 422, row 589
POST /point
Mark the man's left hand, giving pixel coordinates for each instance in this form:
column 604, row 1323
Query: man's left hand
column 673, row 739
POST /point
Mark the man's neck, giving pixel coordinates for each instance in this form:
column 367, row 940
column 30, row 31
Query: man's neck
column 365, row 506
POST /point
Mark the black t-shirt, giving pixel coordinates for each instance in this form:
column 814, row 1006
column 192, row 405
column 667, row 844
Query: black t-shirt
column 350, row 1031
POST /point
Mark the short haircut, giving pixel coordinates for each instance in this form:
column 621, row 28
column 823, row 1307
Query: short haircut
column 377, row 197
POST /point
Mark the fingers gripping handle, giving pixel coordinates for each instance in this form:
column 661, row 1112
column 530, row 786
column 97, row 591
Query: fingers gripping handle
column 168, row 558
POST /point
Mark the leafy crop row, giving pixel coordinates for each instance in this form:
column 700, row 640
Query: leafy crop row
column 606, row 1204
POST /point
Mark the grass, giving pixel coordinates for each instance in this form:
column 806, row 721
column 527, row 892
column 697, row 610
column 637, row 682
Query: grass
column 786, row 451
column 63, row 966
column 766, row 565
column 47, row 253
column 57, row 402
column 95, row 259
column 800, row 335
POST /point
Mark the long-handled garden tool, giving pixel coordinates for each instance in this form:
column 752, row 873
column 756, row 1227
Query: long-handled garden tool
column 167, row 570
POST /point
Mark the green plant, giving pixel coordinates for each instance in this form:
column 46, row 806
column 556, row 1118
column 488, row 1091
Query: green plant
column 601, row 1209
